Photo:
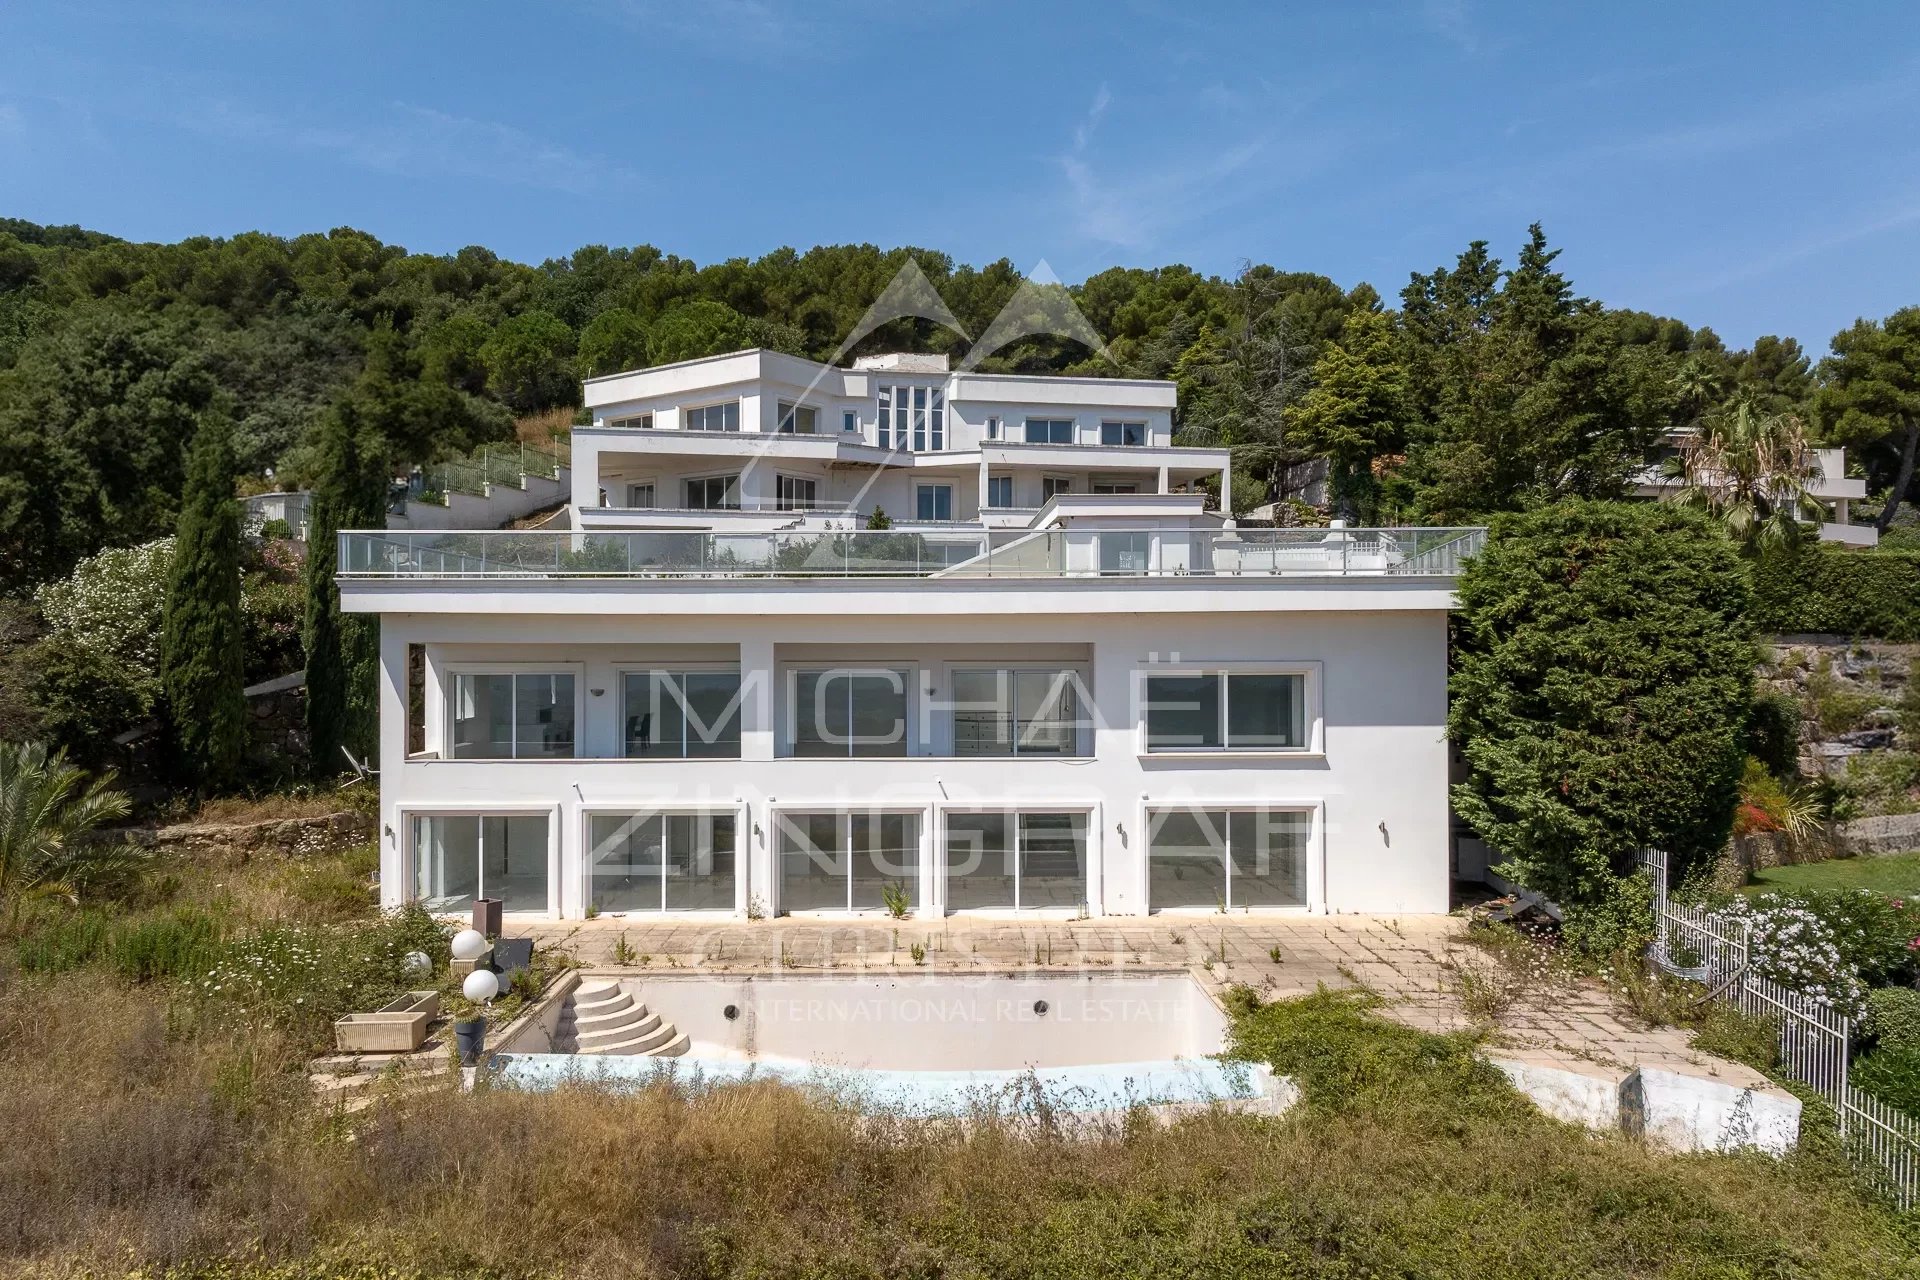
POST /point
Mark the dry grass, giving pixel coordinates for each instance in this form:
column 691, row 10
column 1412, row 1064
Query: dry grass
column 147, row 1129
column 541, row 428
column 182, row 1145
column 242, row 810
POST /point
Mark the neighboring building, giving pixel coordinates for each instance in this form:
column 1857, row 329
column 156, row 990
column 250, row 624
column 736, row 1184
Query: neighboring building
column 1832, row 489
column 1070, row 688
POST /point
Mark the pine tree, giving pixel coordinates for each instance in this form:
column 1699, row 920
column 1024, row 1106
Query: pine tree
column 202, row 661
column 1356, row 410
column 343, row 651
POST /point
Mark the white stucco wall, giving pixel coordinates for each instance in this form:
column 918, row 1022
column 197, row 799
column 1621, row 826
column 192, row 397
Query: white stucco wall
column 1376, row 786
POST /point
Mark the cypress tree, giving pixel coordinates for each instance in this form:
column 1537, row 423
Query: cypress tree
column 202, row 660
column 343, row 651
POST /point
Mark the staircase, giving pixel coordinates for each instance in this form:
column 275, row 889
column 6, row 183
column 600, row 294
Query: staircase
column 353, row 1082
column 603, row 1018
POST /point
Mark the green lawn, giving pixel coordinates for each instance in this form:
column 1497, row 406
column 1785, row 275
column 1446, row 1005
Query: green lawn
column 1897, row 874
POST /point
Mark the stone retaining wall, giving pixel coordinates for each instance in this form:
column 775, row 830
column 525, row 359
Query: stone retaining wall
column 276, row 835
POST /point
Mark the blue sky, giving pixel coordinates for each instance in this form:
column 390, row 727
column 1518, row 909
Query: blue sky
column 1747, row 166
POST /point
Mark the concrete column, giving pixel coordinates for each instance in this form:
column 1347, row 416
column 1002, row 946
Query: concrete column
column 1115, row 842
column 394, row 884
column 760, row 693
column 983, row 485
column 1226, row 490
column 1163, row 482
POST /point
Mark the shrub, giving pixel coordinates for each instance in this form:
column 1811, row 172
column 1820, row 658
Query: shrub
column 1891, row 1074
column 1830, row 590
column 1832, row 945
column 182, row 944
column 1768, row 805
column 1618, row 922
column 1837, row 707
column 1603, row 677
column 1887, row 780
column 1773, row 733
column 1893, row 1016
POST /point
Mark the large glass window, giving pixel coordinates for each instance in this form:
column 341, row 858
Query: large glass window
column 714, row 417
column 678, row 714
column 914, row 417
column 512, row 716
column 462, row 857
column 796, row 493
column 1125, row 552
column 1234, row 711
column 801, row 419
column 1050, row 486
column 1227, row 859
column 640, row 496
column 661, row 862
column 934, row 501
column 848, row 712
column 999, row 491
column 1123, row 433
column 1049, row 430
column 1003, row 712
column 847, row 861
column 714, row 493
column 1009, row 861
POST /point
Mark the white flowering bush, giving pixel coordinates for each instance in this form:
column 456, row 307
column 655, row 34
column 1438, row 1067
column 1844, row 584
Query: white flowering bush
column 1793, row 945
column 112, row 603
column 303, row 976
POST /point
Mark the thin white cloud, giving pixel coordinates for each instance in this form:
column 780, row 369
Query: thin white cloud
column 1452, row 21
column 12, row 123
column 418, row 141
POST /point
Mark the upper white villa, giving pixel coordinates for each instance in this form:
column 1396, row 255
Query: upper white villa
column 1830, row 487
column 1061, row 683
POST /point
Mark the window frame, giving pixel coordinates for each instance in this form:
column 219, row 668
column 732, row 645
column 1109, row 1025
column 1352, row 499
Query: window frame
column 731, row 480
column 996, row 481
column 1071, row 424
column 450, row 695
column 782, row 502
column 651, row 485
column 642, row 421
column 849, row 422
column 742, row 852
column 624, row 669
column 1312, row 714
column 844, row 815
column 1080, row 684
column 1313, row 851
column 913, row 691
column 1064, row 483
column 410, row 861
column 925, row 487
column 1122, row 424
column 787, row 417
column 687, row 412
column 1013, row 811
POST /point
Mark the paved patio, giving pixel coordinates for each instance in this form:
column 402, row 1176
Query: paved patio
column 1410, row 961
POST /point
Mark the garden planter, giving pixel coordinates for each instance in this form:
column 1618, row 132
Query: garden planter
column 400, row 1027
column 471, row 1036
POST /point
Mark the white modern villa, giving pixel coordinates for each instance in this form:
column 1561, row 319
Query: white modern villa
column 1830, row 487
column 1057, row 681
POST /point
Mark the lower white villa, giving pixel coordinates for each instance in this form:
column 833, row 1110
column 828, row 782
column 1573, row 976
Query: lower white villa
column 1060, row 684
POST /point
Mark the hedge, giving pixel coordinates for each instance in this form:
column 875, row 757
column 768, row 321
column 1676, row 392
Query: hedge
column 1829, row 590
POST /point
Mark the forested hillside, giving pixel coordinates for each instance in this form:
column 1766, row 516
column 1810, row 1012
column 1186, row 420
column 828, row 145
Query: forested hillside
column 1478, row 386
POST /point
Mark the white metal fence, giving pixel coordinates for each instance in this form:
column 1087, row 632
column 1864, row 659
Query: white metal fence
column 1813, row 1038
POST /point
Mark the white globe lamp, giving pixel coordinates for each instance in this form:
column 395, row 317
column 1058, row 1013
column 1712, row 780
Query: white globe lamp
column 481, row 986
column 469, row 944
column 416, row 964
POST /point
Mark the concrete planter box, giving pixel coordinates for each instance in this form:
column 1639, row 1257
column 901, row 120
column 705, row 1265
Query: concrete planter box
column 400, row 1027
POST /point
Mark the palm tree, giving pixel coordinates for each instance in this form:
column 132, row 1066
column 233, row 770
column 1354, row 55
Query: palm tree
column 1752, row 471
column 47, row 807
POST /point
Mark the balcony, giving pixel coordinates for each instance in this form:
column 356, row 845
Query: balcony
column 963, row 553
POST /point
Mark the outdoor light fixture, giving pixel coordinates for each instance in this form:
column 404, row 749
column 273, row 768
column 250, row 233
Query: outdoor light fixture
column 481, row 986
column 469, row 944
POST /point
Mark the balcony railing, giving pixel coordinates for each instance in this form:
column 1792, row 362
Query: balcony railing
column 958, row 554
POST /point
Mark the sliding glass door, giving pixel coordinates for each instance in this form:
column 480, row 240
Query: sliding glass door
column 460, row 857
column 1016, row 861
column 661, row 861
column 1227, row 859
column 848, row 861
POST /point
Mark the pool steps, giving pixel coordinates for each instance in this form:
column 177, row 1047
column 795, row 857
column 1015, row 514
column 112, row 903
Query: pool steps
column 603, row 1018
